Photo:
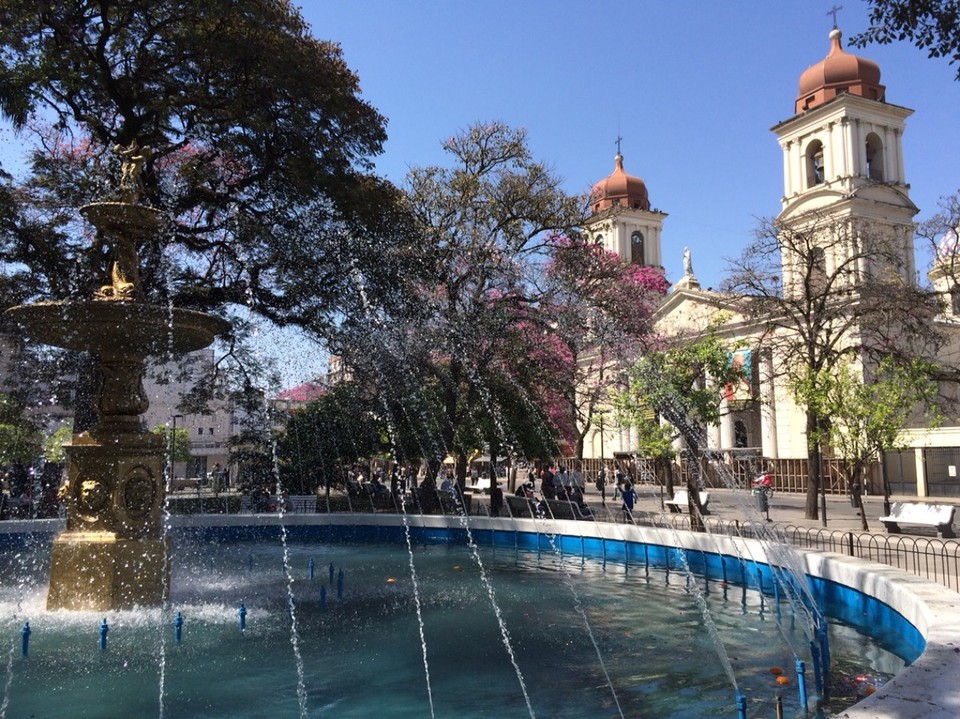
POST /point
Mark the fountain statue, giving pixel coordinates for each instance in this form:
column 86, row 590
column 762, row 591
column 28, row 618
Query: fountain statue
column 113, row 554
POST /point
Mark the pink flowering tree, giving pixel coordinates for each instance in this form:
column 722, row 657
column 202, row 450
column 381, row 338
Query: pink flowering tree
column 597, row 318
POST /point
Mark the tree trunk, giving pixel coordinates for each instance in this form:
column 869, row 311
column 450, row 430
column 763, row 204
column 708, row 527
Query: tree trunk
column 693, row 487
column 814, row 463
column 855, row 485
column 461, row 469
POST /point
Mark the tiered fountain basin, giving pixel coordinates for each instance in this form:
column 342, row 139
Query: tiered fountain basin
column 614, row 566
column 108, row 326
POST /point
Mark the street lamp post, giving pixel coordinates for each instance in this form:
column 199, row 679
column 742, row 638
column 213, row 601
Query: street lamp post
column 601, row 442
column 173, row 446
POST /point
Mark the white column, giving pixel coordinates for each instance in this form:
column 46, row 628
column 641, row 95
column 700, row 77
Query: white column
column 859, row 137
column 787, row 170
column 890, row 169
column 726, row 425
column 768, row 408
column 851, row 137
column 798, row 171
column 921, row 474
column 843, row 140
column 833, row 160
column 901, row 171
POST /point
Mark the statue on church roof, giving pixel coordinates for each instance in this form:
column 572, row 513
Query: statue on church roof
column 687, row 263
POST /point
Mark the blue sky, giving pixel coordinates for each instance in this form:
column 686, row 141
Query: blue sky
column 693, row 88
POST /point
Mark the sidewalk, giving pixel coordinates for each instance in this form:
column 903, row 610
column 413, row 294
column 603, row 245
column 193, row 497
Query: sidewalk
column 785, row 508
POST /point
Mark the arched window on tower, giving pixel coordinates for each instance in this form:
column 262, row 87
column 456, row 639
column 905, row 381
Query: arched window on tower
column 598, row 240
column 636, row 248
column 814, row 157
column 874, row 157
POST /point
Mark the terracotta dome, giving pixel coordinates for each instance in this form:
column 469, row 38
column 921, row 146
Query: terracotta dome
column 838, row 73
column 619, row 189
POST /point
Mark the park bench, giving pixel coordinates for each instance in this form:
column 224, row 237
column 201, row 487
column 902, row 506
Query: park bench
column 302, row 503
column 922, row 514
column 449, row 504
column 565, row 509
column 681, row 501
column 179, row 483
column 519, row 506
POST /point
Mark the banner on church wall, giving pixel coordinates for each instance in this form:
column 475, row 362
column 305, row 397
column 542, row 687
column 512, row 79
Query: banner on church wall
column 741, row 388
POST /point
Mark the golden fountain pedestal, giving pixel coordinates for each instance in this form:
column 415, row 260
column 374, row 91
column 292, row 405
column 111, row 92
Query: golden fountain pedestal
column 113, row 554
column 100, row 571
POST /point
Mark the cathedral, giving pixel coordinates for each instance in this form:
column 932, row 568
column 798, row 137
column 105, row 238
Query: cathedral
column 843, row 169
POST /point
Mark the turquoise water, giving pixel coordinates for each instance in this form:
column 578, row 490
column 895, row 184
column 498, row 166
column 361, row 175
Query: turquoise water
column 362, row 654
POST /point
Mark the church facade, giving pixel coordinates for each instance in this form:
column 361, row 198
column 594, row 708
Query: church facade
column 843, row 169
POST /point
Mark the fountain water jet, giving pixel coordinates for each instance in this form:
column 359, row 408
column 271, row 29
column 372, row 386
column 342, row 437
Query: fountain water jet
column 112, row 553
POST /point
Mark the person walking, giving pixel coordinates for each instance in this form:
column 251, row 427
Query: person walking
column 602, row 485
column 547, row 488
column 629, row 498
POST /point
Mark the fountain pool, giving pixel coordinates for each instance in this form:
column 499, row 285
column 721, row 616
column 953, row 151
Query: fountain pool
column 580, row 617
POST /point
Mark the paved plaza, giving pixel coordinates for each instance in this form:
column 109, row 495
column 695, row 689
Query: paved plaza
column 785, row 508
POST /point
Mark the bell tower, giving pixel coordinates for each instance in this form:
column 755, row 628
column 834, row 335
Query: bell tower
column 621, row 219
column 843, row 164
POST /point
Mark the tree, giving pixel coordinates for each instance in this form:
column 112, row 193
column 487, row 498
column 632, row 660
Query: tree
column 939, row 232
column 19, row 438
column 680, row 383
column 177, row 442
column 868, row 415
column 655, row 441
column 261, row 148
column 598, row 312
column 931, row 25
column 822, row 290
column 321, row 440
column 53, row 444
column 471, row 291
column 260, row 152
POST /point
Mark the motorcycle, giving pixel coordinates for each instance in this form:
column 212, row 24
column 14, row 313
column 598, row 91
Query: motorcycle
column 763, row 483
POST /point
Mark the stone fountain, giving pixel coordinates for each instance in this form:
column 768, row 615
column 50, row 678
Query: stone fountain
column 113, row 553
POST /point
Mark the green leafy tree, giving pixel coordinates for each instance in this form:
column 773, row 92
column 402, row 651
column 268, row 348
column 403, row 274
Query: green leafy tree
column 823, row 312
column 261, row 148
column 655, row 441
column 472, row 286
column 321, row 440
column 177, row 441
column 868, row 415
column 259, row 141
column 20, row 441
column 680, row 384
column 53, row 444
column 931, row 25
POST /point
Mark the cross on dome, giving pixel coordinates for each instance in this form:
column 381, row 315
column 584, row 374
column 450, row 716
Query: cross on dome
column 833, row 11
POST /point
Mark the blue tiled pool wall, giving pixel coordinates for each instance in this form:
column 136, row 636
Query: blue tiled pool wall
column 834, row 599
